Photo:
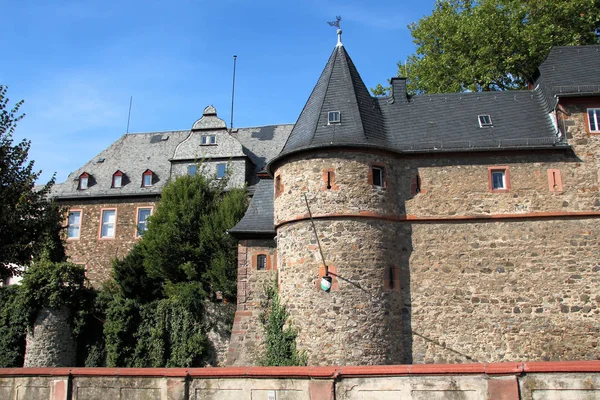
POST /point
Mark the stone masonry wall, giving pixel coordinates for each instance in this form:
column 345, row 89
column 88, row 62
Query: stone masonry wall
column 478, row 271
column 247, row 336
column 95, row 253
column 50, row 343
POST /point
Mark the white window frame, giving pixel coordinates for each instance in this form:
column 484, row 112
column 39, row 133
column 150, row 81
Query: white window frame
column 83, row 182
column 334, row 117
column 70, row 225
column 107, row 224
column 224, row 165
column 381, row 175
column 207, row 140
column 485, row 124
column 149, row 176
column 503, row 174
column 117, row 181
column 593, row 113
column 140, row 232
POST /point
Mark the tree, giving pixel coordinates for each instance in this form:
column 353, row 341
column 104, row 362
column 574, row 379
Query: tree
column 29, row 221
column 483, row 45
column 155, row 317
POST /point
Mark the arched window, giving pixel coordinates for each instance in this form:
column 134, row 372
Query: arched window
column 261, row 262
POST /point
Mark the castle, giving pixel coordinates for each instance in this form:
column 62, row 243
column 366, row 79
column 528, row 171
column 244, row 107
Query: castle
column 453, row 227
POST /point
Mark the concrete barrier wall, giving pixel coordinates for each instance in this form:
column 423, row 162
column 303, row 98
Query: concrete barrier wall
column 505, row 381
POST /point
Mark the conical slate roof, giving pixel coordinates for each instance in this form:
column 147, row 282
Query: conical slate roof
column 340, row 88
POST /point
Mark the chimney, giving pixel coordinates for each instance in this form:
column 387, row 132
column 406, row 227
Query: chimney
column 399, row 89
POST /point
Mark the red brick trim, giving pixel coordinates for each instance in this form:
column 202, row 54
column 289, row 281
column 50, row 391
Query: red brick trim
column 255, row 260
column 100, row 224
column 278, row 185
column 504, row 169
column 137, row 215
column 328, row 176
column 426, row 219
column 80, row 223
column 555, row 180
column 514, row 368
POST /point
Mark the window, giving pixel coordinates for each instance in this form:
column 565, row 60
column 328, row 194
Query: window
column 261, row 262
column 209, row 139
column 74, row 224
column 334, row 117
column 192, row 170
column 498, row 179
column 117, row 180
column 221, row 169
column 107, row 227
column 378, row 176
column 594, row 119
column 278, row 186
column 83, row 181
column 142, row 217
column 147, row 178
column 484, row 120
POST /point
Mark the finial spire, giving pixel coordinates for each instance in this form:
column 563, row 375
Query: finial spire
column 336, row 23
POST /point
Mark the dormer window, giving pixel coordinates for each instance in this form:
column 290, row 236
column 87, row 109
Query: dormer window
column 334, row 117
column 147, row 178
column 209, row 139
column 484, row 120
column 83, row 181
column 117, row 179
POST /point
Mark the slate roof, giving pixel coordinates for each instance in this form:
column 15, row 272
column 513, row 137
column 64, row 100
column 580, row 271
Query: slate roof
column 569, row 71
column 132, row 154
column 261, row 144
column 258, row 220
column 426, row 123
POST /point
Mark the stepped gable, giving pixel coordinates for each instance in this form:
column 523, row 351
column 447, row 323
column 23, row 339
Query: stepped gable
column 258, row 219
column 569, row 71
column 339, row 88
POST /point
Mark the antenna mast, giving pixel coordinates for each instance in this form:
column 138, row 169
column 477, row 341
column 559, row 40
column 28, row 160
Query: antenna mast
column 233, row 92
column 129, row 116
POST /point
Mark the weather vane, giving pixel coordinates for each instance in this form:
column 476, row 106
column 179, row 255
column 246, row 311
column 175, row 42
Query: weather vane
column 336, row 23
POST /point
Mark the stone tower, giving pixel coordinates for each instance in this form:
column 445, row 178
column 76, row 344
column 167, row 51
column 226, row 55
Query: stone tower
column 336, row 163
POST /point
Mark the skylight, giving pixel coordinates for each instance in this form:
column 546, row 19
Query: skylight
column 484, row 120
column 334, row 117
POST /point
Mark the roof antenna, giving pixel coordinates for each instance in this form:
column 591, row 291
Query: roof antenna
column 232, row 92
column 129, row 116
column 336, row 23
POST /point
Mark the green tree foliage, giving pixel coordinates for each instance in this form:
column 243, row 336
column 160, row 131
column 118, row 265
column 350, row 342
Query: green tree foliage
column 45, row 284
column 483, row 45
column 155, row 314
column 29, row 222
column 280, row 340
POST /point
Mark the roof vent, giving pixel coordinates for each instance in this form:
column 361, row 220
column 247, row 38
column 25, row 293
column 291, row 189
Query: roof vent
column 101, row 159
column 164, row 138
column 484, row 120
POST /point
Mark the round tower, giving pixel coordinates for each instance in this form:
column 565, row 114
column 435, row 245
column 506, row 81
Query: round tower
column 338, row 195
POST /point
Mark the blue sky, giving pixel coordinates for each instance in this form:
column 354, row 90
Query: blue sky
column 76, row 63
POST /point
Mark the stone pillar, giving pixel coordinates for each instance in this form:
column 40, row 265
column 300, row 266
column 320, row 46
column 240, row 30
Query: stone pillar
column 50, row 343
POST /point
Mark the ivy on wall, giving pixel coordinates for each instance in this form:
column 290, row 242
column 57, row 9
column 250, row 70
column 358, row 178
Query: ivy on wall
column 280, row 336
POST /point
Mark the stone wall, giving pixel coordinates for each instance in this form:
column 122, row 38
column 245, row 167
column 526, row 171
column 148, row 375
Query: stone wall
column 508, row 381
column 435, row 266
column 50, row 343
column 96, row 253
column 247, row 336
column 218, row 318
